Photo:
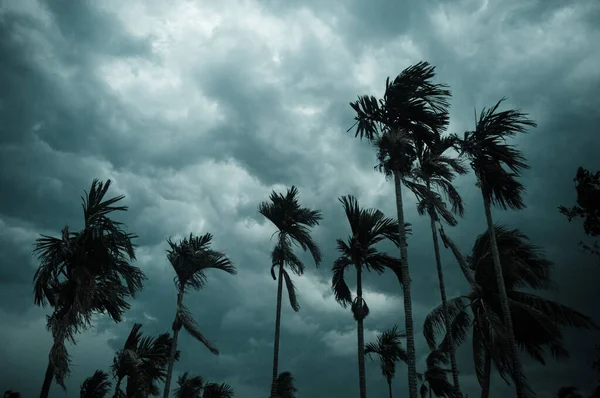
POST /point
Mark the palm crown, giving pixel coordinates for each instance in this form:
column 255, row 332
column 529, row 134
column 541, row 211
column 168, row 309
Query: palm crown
column 195, row 387
column 388, row 347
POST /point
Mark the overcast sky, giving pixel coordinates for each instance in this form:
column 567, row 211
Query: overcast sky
column 197, row 110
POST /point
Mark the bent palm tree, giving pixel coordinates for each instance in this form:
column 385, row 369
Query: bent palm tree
column 293, row 222
column 285, row 386
column 409, row 116
column 490, row 158
column 538, row 321
column 369, row 227
column 84, row 273
column 435, row 379
column 388, row 348
column 195, row 387
column 95, row 386
column 190, row 258
column 432, row 178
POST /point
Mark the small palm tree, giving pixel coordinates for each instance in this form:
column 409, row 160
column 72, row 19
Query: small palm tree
column 195, row 387
column 84, row 273
column 143, row 360
column 369, row 227
column 497, row 165
column 388, row 348
column 538, row 321
column 293, row 222
column 95, row 386
column 285, row 387
column 190, row 258
column 412, row 112
column 434, row 382
column 12, row 394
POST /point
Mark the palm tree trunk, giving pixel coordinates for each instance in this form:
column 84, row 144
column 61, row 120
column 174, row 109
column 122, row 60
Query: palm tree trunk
column 277, row 333
column 390, row 388
column 512, row 344
column 440, row 272
column 47, row 380
column 362, row 381
column 409, row 328
column 487, row 375
column 173, row 351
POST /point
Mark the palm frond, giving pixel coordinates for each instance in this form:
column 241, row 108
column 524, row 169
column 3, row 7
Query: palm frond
column 291, row 289
column 95, row 386
column 340, row 289
column 213, row 390
column 189, row 386
column 190, row 325
column 435, row 325
column 285, row 386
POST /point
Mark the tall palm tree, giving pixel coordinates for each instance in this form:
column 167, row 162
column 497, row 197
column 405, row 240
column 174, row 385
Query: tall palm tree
column 497, row 164
column 388, row 348
column 434, row 382
column 432, row 181
column 143, row 360
column 190, row 258
column 195, row 387
column 369, row 227
column 293, row 224
column 95, row 386
column 412, row 112
column 538, row 321
column 83, row 273
column 285, row 386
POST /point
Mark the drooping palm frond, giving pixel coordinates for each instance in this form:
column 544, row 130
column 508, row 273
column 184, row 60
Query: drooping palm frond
column 95, row 386
column 285, row 387
column 189, row 386
column 190, row 325
column 291, row 289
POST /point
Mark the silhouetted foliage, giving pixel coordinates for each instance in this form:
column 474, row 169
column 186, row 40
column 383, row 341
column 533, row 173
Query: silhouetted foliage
column 388, row 348
column 95, row 386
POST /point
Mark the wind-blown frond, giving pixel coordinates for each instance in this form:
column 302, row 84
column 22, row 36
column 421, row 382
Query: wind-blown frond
column 189, row 324
column 214, row 390
column 341, row 291
column 189, row 386
column 95, row 386
column 435, row 325
column 291, row 289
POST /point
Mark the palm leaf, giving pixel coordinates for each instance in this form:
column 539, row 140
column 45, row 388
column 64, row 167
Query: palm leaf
column 189, row 324
column 95, row 386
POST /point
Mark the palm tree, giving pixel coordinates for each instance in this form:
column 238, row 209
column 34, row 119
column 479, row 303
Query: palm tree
column 84, row 273
column 430, row 179
column 190, row 258
column 96, row 386
column 11, row 394
column 435, row 379
column 369, row 227
column 388, row 348
column 569, row 392
column 412, row 112
column 497, row 165
column 285, row 387
column 195, row 387
column 143, row 361
column 293, row 222
column 538, row 321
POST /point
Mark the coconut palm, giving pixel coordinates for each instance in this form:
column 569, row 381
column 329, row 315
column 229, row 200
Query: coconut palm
column 434, row 382
column 412, row 112
column 191, row 258
column 95, row 386
column 369, row 227
column 538, row 321
column 84, row 273
column 195, row 387
column 388, row 347
column 143, row 360
column 497, row 165
column 432, row 182
column 293, row 224
column 285, row 386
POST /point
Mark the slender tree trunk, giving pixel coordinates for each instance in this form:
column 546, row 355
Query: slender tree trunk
column 487, row 375
column 362, row 381
column 48, row 377
column 390, row 388
column 440, row 272
column 409, row 328
column 277, row 333
column 512, row 344
column 173, row 351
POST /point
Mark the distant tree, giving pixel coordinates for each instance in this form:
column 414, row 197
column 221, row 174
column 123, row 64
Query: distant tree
column 84, row 273
column 293, row 224
column 96, row 386
column 434, row 382
column 190, row 258
column 285, row 387
column 497, row 165
column 195, row 387
column 369, row 227
column 388, row 347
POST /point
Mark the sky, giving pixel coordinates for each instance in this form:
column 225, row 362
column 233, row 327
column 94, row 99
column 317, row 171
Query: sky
column 197, row 110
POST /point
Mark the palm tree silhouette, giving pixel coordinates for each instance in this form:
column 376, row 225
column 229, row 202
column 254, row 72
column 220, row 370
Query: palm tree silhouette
column 293, row 222
column 95, row 386
column 195, row 387
column 190, row 258
column 388, row 347
column 83, row 273
column 497, row 165
column 142, row 360
column 412, row 112
column 369, row 227
column 434, row 382
column 429, row 180
column 538, row 321
column 285, row 387
column 11, row 394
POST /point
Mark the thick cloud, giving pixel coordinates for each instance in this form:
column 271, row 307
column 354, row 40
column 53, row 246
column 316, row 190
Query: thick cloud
column 197, row 110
